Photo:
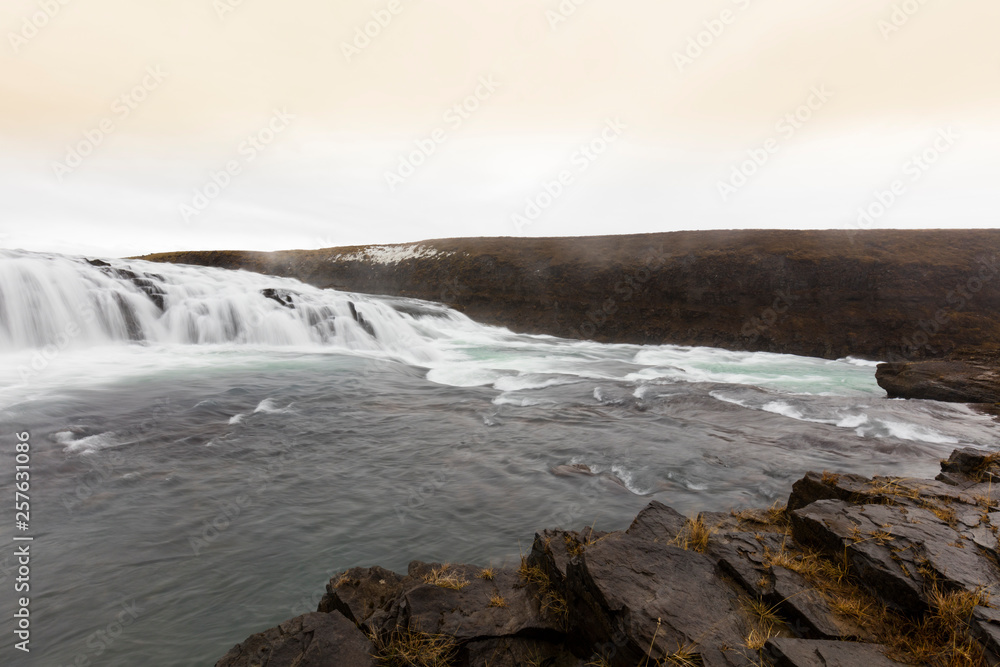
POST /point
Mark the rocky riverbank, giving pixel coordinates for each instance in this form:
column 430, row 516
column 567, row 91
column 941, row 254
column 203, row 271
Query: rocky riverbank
column 896, row 296
column 853, row 571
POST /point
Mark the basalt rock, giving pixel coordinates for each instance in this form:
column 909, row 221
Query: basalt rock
column 361, row 593
column 148, row 283
column 311, row 640
column 751, row 587
column 899, row 553
column 282, row 296
column 956, row 381
column 649, row 597
column 360, row 319
column 460, row 602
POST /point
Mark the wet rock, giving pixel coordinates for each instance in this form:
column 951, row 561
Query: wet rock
column 644, row 595
column 985, row 628
column 941, row 380
column 897, row 552
column 456, row 600
column 133, row 329
column 815, row 487
column 878, row 490
column 816, row 653
column 743, row 556
column 97, row 262
column 282, row 296
column 552, row 552
column 311, row 640
column 362, row 322
column 807, row 612
column 149, row 284
column 153, row 290
column 657, row 523
column 970, row 465
column 361, row 592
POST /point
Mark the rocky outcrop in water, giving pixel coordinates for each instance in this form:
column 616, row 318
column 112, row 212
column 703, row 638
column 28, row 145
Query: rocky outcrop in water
column 885, row 295
column 942, row 380
column 853, row 571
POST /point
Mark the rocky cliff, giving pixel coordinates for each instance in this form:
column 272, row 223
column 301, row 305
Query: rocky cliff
column 897, row 296
column 853, row 571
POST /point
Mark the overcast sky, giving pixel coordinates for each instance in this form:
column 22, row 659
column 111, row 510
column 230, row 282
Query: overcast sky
column 134, row 127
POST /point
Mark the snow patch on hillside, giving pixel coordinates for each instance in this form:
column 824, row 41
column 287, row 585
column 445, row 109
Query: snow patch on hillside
column 389, row 254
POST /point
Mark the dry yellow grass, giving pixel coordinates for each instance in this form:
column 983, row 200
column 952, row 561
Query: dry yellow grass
column 549, row 599
column 981, row 472
column 830, row 478
column 576, row 545
column 946, row 514
column 773, row 519
column 695, row 535
column 404, row 648
column 488, row 573
column 892, row 489
column 684, row 656
column 497, row 600
column 446, row 578
column 763, row 615
column 757, row 637
column 939, row 639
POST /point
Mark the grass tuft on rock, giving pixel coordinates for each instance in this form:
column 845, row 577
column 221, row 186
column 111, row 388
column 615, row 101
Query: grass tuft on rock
column 695, row 535
column 549, row 599
column 497, row 600
column 405, row 648
column 445, row 577
column 940, row 637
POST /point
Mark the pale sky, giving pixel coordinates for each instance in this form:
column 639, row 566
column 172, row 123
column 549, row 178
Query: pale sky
column 265, row 125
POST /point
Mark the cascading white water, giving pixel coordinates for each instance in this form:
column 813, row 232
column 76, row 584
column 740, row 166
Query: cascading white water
column 54, row 300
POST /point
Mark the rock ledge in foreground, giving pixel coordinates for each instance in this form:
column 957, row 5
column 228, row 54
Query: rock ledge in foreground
column 854, row 571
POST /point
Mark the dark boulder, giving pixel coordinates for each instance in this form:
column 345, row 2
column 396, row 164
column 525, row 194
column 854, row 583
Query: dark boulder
column 311, row 640
column 282, row 296
column 898, row 553
column 657, row 523
column 641, row 595
column 361, row 592
column 808, row 613
column 941, row 380
column 360, row 319
column 970, row 465
column 463, row 602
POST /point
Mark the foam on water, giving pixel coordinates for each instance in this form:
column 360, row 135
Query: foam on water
column 86, row 444
column 269, row 405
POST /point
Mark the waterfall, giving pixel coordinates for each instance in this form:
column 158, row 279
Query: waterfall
column 63, row 301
